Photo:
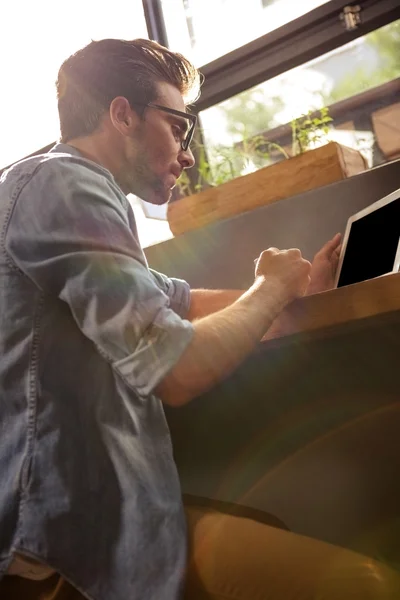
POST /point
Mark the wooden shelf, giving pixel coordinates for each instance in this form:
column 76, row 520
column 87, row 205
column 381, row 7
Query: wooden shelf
column 323, row 314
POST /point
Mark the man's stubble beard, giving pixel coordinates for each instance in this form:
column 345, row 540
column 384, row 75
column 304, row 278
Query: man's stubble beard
column 142, row 182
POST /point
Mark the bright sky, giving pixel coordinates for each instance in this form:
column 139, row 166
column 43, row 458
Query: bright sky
column 36, row 36
column 223, row 25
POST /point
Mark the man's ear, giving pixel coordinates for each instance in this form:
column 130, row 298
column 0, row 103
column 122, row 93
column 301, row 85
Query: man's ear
column 122, row 116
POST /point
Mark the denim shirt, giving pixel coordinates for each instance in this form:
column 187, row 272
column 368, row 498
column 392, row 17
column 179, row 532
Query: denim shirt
column 87, row 331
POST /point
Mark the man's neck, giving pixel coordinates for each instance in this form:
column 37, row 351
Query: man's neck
column 103, row 152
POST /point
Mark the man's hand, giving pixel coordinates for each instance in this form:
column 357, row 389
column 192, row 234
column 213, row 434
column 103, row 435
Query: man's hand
column 324, row 265
column 286, row 272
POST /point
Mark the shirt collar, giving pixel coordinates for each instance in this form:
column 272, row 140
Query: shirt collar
column 61, row 148
column 65, row 149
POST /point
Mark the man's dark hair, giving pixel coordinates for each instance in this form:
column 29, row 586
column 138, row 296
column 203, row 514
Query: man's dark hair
column 90, row 79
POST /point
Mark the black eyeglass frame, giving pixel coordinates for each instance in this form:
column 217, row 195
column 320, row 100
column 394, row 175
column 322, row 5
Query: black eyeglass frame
column 185, row 143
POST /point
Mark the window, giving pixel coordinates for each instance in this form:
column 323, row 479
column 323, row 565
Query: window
column 206, row 29
column 151, row 221
column 36, row 37
column 359, row 82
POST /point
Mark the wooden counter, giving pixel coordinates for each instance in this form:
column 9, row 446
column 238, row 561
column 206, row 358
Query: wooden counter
column 330, row 312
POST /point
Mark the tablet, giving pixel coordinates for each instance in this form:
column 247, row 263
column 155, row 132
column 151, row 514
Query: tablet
column 371, row 242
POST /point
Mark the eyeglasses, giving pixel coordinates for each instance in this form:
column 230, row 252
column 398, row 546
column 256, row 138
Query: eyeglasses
column 185, row 142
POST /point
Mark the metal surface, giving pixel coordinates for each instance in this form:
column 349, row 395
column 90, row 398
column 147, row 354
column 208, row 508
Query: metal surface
column 153, row 14
column 351, row 17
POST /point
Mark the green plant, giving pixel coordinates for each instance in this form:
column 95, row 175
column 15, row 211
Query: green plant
column 308, row 131
column 218, row 164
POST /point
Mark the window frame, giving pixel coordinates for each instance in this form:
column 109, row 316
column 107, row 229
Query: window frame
column 296, row 43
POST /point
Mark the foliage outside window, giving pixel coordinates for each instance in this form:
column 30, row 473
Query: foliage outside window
column 220, row 164
column 353, row 69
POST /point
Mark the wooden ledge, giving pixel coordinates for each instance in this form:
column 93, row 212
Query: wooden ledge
column 323, row 314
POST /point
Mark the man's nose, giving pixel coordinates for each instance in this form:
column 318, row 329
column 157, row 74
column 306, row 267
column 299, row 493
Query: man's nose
column 186, row 159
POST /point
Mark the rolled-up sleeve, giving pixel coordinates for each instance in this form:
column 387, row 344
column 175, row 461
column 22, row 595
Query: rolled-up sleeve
column 69, row 233
column 177, row 290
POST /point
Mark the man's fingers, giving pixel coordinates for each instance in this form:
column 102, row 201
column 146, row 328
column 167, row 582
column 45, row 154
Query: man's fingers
column 335, row 242
column 331, row 246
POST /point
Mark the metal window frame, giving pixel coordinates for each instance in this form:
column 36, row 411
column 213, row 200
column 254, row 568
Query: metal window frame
column 289, row 46
column 153, row 14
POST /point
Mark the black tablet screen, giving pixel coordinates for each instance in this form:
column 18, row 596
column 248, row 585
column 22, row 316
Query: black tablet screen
column 372, row 245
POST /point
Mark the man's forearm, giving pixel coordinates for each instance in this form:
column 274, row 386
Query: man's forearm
column 221, row 341
column 207, row 302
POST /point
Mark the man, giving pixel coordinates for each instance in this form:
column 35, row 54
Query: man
column 92, row 342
